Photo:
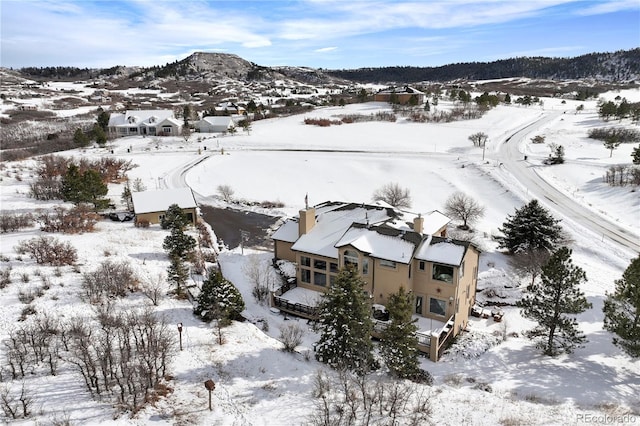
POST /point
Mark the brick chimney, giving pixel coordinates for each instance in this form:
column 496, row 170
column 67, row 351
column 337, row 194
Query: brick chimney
column 307, row 220
column 418, row 224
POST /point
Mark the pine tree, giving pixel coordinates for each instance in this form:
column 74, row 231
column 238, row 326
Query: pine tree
column 531, row 228
column 622, row 310
column 174, row 218
column 345, row 325
column 218, row 299
column 178, row 273
column 84, row 187
column 550, row 301
column 635, row 155
column 99, row 134
column 178, row 244
column 399, row 346
column 80, row 139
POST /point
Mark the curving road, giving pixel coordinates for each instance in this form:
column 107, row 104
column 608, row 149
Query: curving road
column 525, row 173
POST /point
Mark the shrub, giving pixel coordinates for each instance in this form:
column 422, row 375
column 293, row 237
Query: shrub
column 620, row 134
column 11, row 222
column 110, row 279
column 78, row 219
column 291, row 336
column 141, row 223
column 48, row 251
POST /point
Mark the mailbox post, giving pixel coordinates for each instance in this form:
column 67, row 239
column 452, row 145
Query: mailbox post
column 210, row 385
column 180, row 333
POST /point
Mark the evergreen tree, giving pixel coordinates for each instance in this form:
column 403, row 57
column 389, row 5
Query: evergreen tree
column 635, row 155
column 178, row 244
column 80, row 139
column 174, row 218
column 549, row 301
column 103, row 120
column 177, row 273
column 531, row 228
column 612, row 142
column 99, row 135
column 399, row 346
column 84, row 187
column 345, row 325
column 218, row 299
column 507, row 99
column 622, row 310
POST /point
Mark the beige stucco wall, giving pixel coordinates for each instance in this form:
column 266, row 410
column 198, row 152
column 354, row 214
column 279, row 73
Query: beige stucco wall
column 154, row 217
column 467, row 288
column 283, row 251
column 389, row 280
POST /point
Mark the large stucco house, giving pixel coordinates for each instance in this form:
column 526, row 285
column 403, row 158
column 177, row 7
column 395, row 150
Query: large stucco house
column 390, row 249
column 158, row 122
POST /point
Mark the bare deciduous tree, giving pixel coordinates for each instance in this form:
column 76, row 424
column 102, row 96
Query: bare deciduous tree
column 263, row 277
column 479, row 139
column 226, row 192
column 153, row 288
column 394, row 195
column 530, row 262
column 352, row 399
column 464, row 208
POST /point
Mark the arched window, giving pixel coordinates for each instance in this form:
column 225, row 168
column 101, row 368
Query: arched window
column 350, row 258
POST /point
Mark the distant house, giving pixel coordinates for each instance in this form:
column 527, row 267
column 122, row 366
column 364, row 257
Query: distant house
column 229, row 108
column 144, row 122
column 153, row 205
column 400, row 95
column 389, row 249
column 214, row 124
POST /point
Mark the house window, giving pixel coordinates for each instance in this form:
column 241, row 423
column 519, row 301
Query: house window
column 461, row 270
column 320, row 279
column 333, row 267
column 350, row 258
column 319, row 264
column 419, row 305
column 166, row 129
column 133, row 130
column 422, row 265
column 305, row 261
column 332, row 279
column 388, row 263
column 365, row 266
column 437, row 306
column 305, row 276
column 443, row 273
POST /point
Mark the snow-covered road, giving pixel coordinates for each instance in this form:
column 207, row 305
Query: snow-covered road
column 512, row 158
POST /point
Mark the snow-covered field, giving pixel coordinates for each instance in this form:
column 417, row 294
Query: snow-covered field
column 282, row 159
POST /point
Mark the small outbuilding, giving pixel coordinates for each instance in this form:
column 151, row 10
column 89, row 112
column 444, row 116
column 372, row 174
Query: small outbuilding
column 215, row 124
column 153, row 205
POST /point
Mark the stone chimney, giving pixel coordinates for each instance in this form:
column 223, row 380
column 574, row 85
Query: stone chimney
column 307, row 220
column 418, row 224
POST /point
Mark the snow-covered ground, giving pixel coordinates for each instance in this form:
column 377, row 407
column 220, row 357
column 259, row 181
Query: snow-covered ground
column 282, row 159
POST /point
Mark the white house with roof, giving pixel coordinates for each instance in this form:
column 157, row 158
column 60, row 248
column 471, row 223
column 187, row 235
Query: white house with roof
column 389, row 249
column 151, row 206
column 158, row 122
column 214, row 124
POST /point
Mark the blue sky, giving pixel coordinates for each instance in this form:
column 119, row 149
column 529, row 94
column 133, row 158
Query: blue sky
column 329, row 34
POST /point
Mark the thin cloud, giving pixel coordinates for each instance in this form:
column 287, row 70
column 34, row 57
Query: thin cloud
column 326, row 49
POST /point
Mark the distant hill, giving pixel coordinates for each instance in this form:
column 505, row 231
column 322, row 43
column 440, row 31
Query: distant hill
column 622, row 66
column 618, row 67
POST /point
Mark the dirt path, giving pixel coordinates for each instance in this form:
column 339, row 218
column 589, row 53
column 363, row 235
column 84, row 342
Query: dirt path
column 227, row 224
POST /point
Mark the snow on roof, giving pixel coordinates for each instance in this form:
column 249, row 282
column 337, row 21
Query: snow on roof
column 288, row 231
column 446, row 251
column 160, row 200
column 433, row 222
column 378, row 245
column 304, row 296
column 218, row 120
column 332, row 222
column 139, row 116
